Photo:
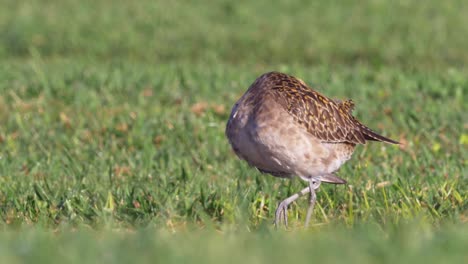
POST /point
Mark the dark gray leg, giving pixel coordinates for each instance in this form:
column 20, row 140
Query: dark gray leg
column 314, row 184
column 281, row 211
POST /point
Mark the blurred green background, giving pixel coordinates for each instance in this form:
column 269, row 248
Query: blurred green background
column 403, row 33
column 112, row 117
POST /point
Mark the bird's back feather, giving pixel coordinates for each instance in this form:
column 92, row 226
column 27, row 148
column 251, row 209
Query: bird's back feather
column 329, row 120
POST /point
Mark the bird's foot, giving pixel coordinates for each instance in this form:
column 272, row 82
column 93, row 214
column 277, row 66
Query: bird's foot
column 282, row 210
column 282, row 213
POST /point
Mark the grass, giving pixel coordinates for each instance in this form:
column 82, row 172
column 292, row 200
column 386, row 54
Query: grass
column 112, row 142
column 408, row 33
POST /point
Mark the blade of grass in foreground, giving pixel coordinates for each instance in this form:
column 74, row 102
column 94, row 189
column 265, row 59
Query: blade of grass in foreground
column 410, row 243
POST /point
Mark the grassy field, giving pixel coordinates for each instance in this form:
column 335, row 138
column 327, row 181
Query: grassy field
column 112, row 117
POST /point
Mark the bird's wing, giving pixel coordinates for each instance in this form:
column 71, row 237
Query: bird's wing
column 328, row 120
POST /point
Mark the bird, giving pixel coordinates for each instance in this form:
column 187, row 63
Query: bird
column 284, row 128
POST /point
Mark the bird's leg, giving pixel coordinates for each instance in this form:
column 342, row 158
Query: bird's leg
column 281, row 211
column 314, row 184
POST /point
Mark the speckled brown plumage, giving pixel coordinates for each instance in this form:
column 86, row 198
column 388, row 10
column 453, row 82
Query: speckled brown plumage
column 329, row 120
column 284, row 128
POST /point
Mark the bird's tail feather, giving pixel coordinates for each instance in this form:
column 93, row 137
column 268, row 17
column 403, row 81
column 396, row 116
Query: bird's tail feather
column 369, row 134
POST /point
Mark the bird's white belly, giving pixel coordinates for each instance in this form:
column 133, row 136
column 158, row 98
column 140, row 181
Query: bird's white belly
column 278, row 145
column 291, row 148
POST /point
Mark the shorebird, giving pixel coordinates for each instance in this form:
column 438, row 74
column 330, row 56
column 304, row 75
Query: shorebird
column 284, row 128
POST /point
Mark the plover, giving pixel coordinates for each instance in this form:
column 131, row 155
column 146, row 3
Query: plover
column 284, row 128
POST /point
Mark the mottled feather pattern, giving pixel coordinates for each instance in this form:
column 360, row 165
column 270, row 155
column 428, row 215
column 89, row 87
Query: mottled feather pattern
column 347, row 106
column 329, row 120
